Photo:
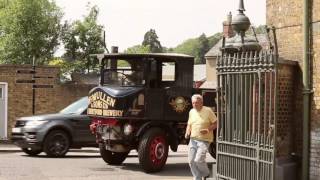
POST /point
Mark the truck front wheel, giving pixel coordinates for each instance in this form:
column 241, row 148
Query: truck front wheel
column 153, row 150
column 112, row 158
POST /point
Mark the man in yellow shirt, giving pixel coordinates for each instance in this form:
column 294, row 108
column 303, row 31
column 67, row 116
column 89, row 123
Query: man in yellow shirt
column 201, row 123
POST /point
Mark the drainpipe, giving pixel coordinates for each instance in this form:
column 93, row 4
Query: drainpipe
column 306, row 91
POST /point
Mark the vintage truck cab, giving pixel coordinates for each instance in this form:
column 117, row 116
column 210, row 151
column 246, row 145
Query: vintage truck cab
column 139, row 105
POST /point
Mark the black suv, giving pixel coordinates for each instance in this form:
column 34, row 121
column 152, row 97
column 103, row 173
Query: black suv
column 55, row 133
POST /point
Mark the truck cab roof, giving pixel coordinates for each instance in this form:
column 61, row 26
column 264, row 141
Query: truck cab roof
column 167, row 56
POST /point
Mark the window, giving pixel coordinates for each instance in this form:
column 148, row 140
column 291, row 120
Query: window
column 77, row 107
column 168, row 71
column 127, row 73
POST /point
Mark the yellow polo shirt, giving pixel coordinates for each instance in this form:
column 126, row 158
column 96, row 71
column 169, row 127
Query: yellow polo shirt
column 201, row 120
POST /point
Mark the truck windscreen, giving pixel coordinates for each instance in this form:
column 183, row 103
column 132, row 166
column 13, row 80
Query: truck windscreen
column 126, row 73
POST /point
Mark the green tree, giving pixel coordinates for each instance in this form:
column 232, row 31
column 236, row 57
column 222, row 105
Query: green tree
column 202, row 49
column 151, row 40
column 82, row 38
column 3, row 4
column 66, row 67
column 261, row 29
column 138, row 49
column 166, row 49
column 213, row 40
column 29, row 29
column 194, row 46
column 187, row 47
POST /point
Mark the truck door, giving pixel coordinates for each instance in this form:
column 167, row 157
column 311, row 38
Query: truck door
column 177, row 83
column 154, row 103
column 178, row 104
column 154, row 98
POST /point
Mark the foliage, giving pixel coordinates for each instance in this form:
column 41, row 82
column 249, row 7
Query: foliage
column 29, row 29
column 258, row 30
column 167, row 50
column 82, row 38
column 202, row 49
column 138, row 49
column 213, row 40
column 197, row 47
column 151, row 40
column 3, row 3
column 123, row 63
column 187, row 47
column 150, row 44
column 66, row 67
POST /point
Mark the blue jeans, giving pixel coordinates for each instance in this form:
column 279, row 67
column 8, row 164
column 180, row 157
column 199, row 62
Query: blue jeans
column 197, row 158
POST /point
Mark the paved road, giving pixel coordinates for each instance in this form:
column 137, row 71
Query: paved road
column 87, row 165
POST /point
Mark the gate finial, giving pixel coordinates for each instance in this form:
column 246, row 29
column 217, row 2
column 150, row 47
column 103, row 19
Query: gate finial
column 241, row 23
column 241, row 6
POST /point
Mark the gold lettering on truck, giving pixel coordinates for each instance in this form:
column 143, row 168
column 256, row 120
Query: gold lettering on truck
column 112, row 112
column 101, row 100
column 100, row 105
column 97, row 112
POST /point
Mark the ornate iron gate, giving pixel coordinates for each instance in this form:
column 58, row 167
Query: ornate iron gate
column 247, row 104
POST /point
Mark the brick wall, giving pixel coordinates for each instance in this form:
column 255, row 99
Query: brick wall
column 47, row 100
column 285, row 125
column 286, row 16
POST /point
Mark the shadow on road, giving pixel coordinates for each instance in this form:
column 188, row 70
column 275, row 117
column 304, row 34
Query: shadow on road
column 170, row 169
column 174, row 155
column 65, row 157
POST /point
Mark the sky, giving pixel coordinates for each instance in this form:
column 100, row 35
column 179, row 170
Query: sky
column 126, row 21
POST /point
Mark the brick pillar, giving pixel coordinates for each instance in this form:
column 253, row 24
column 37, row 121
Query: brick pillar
column 227, row 27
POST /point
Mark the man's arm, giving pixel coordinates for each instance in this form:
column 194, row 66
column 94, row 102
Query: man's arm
column 213, row 126
column 188, row 132
column 213, row 118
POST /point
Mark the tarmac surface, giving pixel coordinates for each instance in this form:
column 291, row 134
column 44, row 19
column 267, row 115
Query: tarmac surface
column 8, row 147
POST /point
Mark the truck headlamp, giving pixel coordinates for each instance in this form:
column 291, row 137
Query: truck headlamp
column 127, row 129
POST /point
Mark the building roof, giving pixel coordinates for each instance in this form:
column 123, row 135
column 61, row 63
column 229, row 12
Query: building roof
column 209, row 85
column 215, row 50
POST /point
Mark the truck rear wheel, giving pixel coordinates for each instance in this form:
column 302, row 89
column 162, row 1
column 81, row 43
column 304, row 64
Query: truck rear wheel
column 153, row 150
column 112, row 158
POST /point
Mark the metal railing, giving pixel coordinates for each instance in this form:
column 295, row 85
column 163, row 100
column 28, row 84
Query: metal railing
column 247, row 104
